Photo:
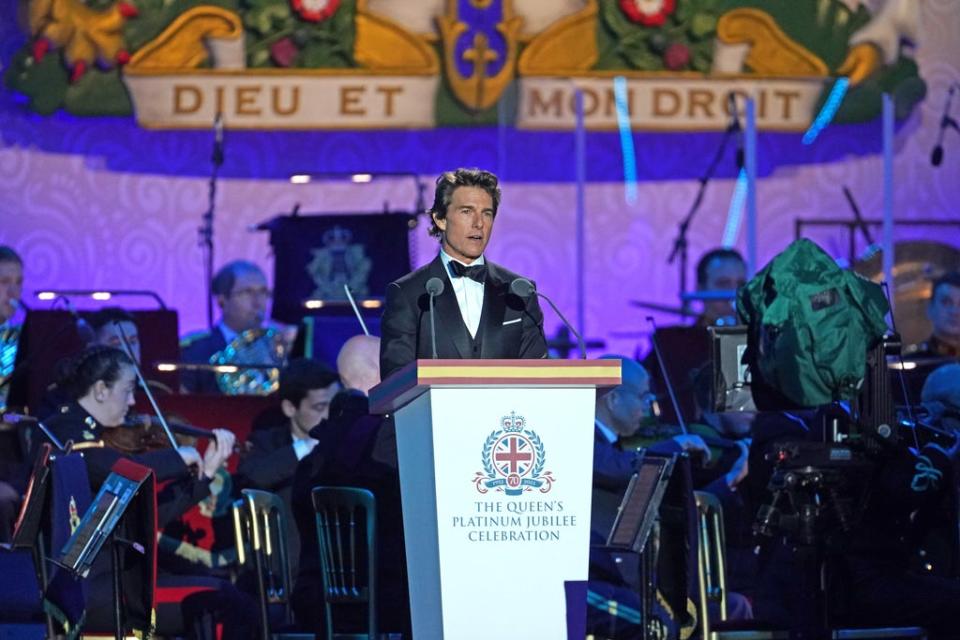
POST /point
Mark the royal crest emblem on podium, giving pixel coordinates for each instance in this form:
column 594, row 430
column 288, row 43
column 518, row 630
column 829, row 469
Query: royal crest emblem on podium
column 513, row 459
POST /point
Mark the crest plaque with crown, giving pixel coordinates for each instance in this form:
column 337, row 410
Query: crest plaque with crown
column 338, row 262
column 513, row 459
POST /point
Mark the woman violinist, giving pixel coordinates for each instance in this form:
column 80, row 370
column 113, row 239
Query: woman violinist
column 101, row 381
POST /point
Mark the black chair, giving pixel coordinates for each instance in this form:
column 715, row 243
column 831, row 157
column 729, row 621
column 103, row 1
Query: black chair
column 346, row 528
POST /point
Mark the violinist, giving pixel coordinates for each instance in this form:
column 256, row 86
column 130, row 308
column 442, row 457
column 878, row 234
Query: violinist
column 13, row 471
column 100, row 382
column 620, row 412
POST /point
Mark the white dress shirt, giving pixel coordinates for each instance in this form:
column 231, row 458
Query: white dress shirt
column 469, row 294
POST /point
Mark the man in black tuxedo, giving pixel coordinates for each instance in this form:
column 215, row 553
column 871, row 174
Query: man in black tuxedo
column 476, row 315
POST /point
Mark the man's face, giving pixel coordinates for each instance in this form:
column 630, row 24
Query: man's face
column 468, row 224
column 944, row 312
column 245, row 307
column 723, row 274
column 110, row 336
column 313, row 408
column 11, row 288
column 629, row 404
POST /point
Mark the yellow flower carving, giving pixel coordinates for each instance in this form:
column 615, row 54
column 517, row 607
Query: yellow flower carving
column 84, row 34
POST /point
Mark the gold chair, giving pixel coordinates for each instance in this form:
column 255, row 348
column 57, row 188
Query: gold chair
column 711, row 573
column 261, row 537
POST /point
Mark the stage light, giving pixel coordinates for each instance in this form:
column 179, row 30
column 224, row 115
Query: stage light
column 215, row 368
column 906, row 366
column 735, row 212
column 299, row 178
column 315, row 303
column 626, row 139
column 828, row 110
column 100, row 295
column 361, row 178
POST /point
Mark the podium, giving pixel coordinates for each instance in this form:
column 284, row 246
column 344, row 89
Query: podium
column 496, row 467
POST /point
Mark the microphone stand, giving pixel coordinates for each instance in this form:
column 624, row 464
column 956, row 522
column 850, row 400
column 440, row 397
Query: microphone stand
column 205, row 230
column 680, row 242
column 356, row 311
column 861, row 223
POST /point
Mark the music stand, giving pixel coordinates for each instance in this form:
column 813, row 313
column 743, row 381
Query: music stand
column 640, row 505
column 29, row 520
column 98, row 525
column 636, row 516
column 731, row 385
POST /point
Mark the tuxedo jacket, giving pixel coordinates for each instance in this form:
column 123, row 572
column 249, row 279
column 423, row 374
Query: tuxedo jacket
column 510, row 326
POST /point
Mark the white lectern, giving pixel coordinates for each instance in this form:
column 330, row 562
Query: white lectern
column 496, row 461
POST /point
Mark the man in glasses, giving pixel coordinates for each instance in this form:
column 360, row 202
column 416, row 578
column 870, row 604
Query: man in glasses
column 240, row 288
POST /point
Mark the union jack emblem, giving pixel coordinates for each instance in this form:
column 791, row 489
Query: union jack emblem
column 513, row 459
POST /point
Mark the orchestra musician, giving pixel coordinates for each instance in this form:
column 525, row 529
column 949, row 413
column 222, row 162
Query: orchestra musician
column 12, row 467
column 944, row 313
column 100, row 383
column 720, row 272
column 242, row 294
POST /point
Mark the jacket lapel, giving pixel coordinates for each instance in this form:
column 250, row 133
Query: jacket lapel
column 494, row 309
column 450, row 324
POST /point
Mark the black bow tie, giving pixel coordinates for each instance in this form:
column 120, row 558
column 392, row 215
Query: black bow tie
column 477, row 272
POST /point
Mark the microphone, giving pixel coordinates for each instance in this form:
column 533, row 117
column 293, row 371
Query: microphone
column 946, row 122
column 434, row 288
column 524, row 288
column 217, row 157
column 734, row 127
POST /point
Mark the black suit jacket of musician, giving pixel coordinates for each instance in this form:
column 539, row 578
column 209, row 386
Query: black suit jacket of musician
column 510, row 326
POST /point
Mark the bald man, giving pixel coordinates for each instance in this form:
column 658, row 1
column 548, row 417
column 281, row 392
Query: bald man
column 941, row 396
column 359, row 363
column 619, row 414
column 355, row 449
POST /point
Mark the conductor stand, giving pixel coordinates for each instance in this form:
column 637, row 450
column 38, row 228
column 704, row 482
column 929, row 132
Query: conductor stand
column 205, row 230
column 680, row 245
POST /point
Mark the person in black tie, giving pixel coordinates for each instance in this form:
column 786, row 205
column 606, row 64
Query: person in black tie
column 476, row 315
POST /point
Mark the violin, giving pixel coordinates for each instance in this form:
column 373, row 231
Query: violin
column 141, row 433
